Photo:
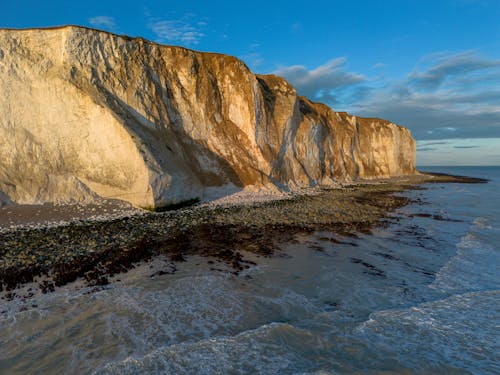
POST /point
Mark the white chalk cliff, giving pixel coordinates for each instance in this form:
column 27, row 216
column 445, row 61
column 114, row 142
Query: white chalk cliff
column 86, row 113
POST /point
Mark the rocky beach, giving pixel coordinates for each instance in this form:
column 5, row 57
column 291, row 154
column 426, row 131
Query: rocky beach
column 94, row 249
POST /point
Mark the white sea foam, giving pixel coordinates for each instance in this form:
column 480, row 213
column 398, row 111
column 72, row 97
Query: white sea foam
column 461, row 331
column 272, row 348
column 481, row 223
column 474, row 267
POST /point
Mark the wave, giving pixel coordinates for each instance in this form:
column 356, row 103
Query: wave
column 271, row 348
column 125, row 319
column 455, row 334
column 474, row 267
column 460, row 331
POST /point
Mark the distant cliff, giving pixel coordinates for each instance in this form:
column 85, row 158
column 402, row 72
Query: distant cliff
column 85, row 113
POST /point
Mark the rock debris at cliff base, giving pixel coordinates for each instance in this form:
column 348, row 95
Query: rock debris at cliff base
column 95, row 250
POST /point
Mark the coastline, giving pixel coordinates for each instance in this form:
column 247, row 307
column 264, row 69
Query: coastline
column 94, row 250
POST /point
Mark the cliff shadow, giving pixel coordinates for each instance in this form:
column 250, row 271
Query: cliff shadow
column 174, row 150
column 5, row 200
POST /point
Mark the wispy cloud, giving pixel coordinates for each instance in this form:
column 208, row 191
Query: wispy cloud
column 253, row 58
column 447, row 67
column 326, row 82
column 446, row 95
column 379, row 65
column 103, row 22
column 178, row 30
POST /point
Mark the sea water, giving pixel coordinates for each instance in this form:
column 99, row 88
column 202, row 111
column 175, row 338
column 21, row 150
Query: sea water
column 419, row 295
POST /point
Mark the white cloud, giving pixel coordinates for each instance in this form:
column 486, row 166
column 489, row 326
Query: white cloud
column 444, row 96
column 446, row 67
column 325, row 82
column 379, row 65
column 177, row 31
column 104, row 22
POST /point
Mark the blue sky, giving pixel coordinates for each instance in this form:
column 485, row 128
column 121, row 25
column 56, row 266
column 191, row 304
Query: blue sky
column 433, row 66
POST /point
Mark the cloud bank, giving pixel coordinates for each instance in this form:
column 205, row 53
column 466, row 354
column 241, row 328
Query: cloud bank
column 444, row 96
column 326, row 82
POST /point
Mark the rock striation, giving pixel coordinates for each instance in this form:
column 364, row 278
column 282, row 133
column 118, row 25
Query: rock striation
column 86, row 114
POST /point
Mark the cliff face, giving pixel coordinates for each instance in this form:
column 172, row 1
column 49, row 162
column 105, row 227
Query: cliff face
column 85, row 113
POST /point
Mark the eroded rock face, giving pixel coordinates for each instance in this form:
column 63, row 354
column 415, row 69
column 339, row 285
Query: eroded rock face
column 85, row 113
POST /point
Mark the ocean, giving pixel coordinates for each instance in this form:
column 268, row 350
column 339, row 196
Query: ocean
column 418, row 295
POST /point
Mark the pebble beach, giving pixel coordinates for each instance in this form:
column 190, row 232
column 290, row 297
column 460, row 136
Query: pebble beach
column 101, row 242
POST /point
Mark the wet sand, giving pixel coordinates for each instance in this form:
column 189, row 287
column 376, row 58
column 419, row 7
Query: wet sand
column 61, row 244
column 14, row 217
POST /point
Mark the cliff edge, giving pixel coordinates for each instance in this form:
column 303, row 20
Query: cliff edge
column 87, row 114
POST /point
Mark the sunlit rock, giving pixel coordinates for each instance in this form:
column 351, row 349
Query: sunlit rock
column 85, row 113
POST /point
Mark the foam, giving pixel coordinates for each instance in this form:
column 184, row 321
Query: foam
column 474, row 267
column 481, row 223
column 271, row 348
column 460, row 331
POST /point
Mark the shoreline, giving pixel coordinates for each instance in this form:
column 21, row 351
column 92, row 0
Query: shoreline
column 54, row 256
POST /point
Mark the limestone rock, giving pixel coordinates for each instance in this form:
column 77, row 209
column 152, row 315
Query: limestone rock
column 86, row 113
